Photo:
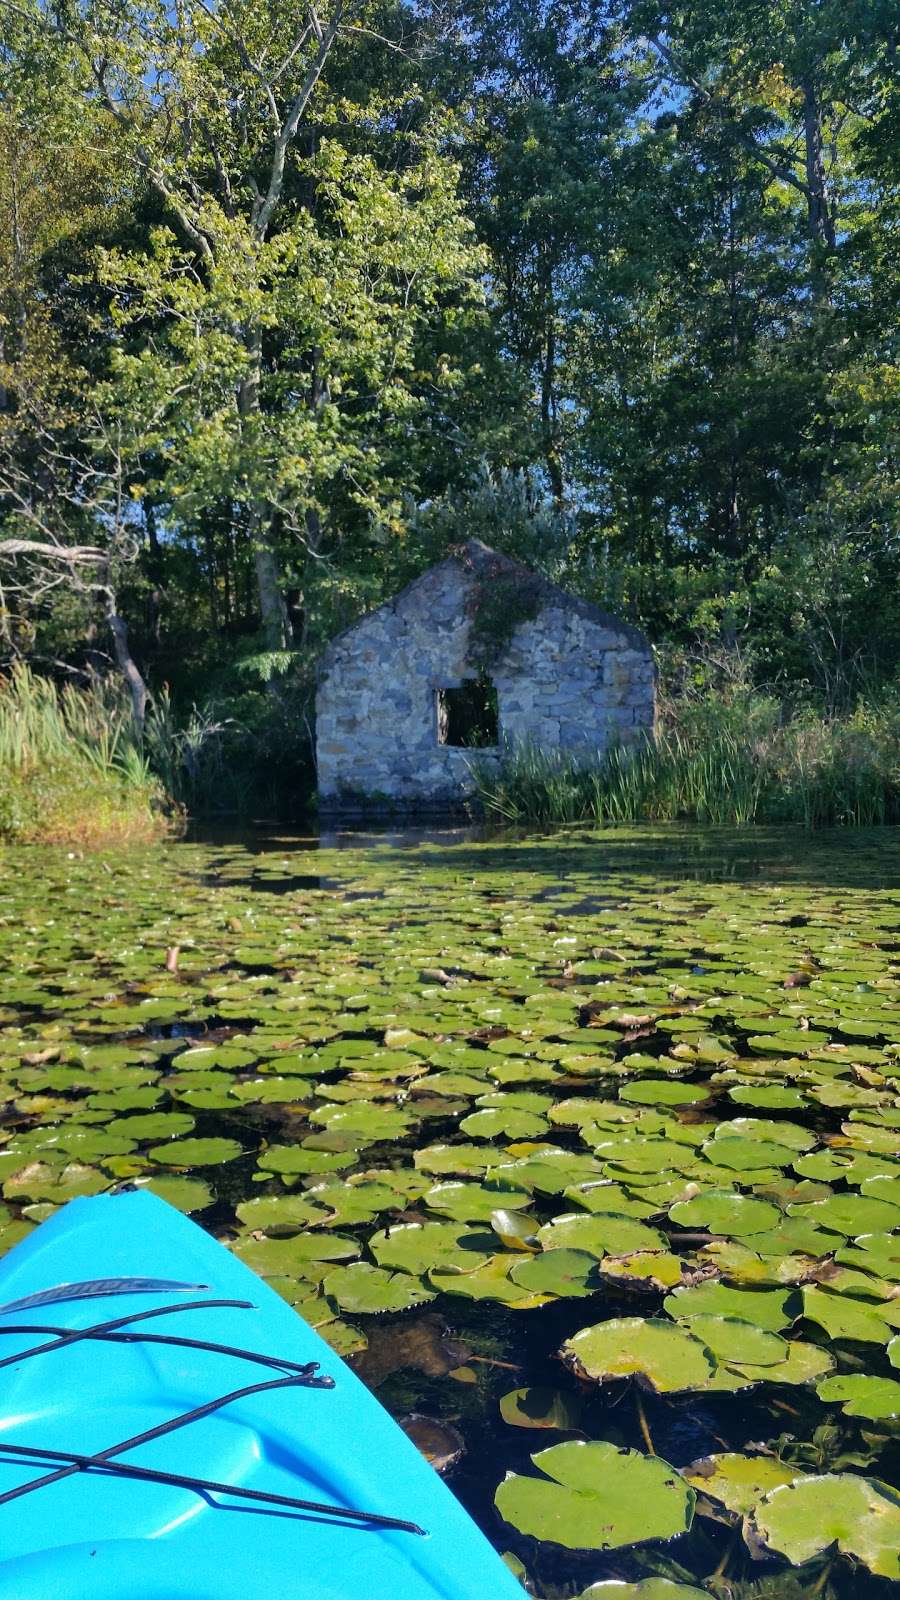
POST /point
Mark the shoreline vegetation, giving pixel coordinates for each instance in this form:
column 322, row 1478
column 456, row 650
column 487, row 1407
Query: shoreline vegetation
column 71, row 772
column 74, row 770
column 713, row 763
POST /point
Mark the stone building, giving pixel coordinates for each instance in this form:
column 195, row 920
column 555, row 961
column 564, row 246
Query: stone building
column 477, row 653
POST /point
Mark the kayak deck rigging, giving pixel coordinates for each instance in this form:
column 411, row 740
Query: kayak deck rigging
column 294, row 1375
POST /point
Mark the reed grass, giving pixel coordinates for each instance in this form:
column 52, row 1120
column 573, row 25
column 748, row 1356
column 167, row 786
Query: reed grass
column 71, row 768
column 719, row 767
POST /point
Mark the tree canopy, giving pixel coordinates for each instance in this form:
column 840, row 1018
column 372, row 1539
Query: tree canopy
column 293, row 298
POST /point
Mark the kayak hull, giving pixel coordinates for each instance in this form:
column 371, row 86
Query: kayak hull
column 119, row 1538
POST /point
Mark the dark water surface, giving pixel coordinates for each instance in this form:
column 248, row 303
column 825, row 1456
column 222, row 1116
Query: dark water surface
column 462, row 1097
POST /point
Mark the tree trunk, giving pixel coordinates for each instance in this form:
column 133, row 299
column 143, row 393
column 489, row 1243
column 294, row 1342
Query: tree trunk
column 821, row 222
column 127, row 665
column 272, row 610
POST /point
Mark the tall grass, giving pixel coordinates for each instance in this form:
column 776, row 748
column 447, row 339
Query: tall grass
column 717, row 765
column 71, row 770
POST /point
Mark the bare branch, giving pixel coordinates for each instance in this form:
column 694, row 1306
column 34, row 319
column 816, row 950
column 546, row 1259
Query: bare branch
column 263, row 215
column 74, row 555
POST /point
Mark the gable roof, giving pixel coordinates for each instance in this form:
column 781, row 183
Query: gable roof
column 485, row 563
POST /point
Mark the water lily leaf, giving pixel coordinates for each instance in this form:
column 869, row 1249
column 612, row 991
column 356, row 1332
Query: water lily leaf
column 557, row 1272
column 644, row 1589
column 457, row 1158
column 439, row 1442
column 766, row 1308
column 663, row 1355
column 732, row 1340
column 744, row 1155
column 343, row 1204
column 599, row 1234
column 291, row 1257
column 767, row 1097
column 611, row 1197
column 663, row 1092
column 843, row 1317
column 737, row 1480
column 594, row 1496
column 473, row 1202
column 651, row 1269
column 852, row 1214
column 362, row 1289
column 155, row 1125
column 489, row 1280
column 862, row 1396
column 366, row 1120
column 42, row 1181
column 195, row 1152
column 859, row 1515
column 805, row 1363
column 292, row 1160
column 550, row 1171
column 417, row 1246
column 271, row 1090
column 515, row 1230
column 279, row 1214
column 342, row 1337
column 503, row 1122
column 723, row 1211
column 12, row 1233
column 541, row 1408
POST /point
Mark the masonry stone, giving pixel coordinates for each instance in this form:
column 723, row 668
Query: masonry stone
column 568, row 677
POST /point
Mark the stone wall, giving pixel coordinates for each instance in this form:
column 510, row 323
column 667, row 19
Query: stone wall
column 569, row 678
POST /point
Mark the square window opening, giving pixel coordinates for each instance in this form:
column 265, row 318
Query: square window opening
column 467, row 717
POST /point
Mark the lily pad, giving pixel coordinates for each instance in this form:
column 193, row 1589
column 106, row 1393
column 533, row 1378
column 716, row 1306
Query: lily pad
column 859, row 1515
column 559, row 1272
column 417, row 1246
column 599, row 1233
column 842, row 1317
column 195, row 1152
column 723, row 1211
column 541, row 1408
column 765, row 1308
column 664, row 1356
column 594, row 1496
column 364, row 1290
column 862, row 1396
column 738, row 1480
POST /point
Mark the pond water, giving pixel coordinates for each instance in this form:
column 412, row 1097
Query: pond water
column 590, row 1137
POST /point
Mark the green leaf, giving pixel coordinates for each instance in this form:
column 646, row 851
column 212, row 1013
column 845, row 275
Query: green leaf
column 594, row 1496
column 417, row 1246
column 557, row 1272
column 665, row 1357
column 541, row 1408
column 361, row 1289
column 859, row 1515
column 732, row 1340
column 737, row 1480
column 862, row 1396
column 843, row 1317
column 723, row 1211
column 599, row 1233
column 195, row 1152
column 766, row 1308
